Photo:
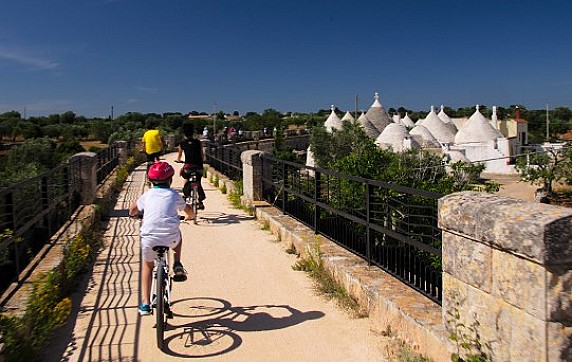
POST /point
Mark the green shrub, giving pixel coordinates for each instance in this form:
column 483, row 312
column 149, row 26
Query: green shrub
column 236, row 194
column 48, row 306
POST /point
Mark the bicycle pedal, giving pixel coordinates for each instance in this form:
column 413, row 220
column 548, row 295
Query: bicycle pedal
column 179, row 278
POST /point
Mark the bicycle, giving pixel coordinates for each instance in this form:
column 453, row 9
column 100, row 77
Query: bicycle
column 161, row 288
column 161, row 292
column 191, row 190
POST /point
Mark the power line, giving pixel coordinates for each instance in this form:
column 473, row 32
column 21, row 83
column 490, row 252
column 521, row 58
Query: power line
column 499, row 158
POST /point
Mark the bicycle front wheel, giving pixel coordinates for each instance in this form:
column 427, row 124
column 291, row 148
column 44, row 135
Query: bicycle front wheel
column 160, row 308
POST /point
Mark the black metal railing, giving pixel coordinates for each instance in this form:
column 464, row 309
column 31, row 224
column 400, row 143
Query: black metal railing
column 107, row 160
column 391, row 226
column 225, row 159
column 31, row 211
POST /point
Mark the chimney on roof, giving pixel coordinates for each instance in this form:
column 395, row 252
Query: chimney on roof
column 517, row 114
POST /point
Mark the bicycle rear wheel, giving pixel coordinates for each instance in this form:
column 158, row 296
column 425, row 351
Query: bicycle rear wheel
column 195, row 204
column 160, row 308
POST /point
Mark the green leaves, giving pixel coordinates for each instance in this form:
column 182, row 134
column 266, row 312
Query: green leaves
column 545, row 168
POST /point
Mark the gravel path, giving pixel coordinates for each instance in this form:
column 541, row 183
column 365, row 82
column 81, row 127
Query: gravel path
column 242, row 300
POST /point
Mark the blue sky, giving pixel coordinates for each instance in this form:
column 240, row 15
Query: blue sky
column 249, row 55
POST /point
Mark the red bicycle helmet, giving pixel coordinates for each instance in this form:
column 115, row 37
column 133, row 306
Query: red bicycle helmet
column 160, row 171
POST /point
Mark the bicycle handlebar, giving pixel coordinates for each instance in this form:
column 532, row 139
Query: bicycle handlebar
column 140, row 216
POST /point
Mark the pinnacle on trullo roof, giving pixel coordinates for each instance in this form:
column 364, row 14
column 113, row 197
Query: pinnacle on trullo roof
column 377, row 115
column 333, row 122
column 477, row 129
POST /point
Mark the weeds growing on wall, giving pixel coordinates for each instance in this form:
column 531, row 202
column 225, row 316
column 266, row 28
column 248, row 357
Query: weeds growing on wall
column 324, row 281
column 235, row 194
column 122, row 172
column 466, row 337
column 48, row 305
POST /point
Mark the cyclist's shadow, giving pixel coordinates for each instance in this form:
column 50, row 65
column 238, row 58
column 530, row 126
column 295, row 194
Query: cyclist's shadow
column 221, row 218
column 247, row 321
column 216, row 331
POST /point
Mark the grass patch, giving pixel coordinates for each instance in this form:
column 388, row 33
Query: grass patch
column 407, row 355
column 235, row 195
column 292, row 250
column 324, row 282
column 265, row 225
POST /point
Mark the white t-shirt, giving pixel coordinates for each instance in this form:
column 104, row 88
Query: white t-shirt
column 160, row 207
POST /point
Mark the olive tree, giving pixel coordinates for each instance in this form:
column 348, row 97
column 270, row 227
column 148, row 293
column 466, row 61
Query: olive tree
column 546, row 167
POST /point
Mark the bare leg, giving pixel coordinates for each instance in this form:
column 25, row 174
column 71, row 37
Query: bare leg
column 177, row 251
column 146, row 277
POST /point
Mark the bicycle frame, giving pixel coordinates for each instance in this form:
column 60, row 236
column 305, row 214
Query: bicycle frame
column 161, row 292
column 191, row 192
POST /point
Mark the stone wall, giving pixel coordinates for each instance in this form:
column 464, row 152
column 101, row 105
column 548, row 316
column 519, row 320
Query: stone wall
column 507, row 275
column 507, row 279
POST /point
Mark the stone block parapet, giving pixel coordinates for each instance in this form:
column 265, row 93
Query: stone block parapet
column 507, row 273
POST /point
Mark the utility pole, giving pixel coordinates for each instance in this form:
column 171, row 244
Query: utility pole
column 547, row 124
column 214, row 119
column 356, row 107
column 111, row 113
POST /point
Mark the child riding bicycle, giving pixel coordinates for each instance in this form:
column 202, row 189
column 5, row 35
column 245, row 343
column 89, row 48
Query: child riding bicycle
column 160, row 207
column 194, row 158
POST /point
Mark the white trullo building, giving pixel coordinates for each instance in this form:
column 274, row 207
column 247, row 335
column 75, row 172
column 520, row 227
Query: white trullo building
column 474, row 139
column 333, row 123
column 481, row 142
column 396, row 138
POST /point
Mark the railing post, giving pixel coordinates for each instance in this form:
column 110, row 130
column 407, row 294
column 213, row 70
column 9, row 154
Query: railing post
column 368, row 233
column 45, row 200
column 284, row 193
column 10, row 222
column 317, row 188
column 88, row 175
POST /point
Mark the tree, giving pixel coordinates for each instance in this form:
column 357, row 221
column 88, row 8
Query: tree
column 545, row 168
column 68, row 117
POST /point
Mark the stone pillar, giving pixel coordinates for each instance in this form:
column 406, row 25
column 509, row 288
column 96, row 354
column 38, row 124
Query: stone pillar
column 170, row 142
column 88, row 175
column 252, row 174
column 121, row 147
column 507, row 271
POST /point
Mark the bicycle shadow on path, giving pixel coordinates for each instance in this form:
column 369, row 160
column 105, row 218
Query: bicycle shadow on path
column 216, row 330
column 221, row 218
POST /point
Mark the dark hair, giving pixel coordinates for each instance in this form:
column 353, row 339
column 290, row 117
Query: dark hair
column 165, row 182
column 188, row 130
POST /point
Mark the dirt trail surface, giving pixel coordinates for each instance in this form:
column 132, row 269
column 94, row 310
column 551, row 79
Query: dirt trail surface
column 511, row 186
column 242, row 300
